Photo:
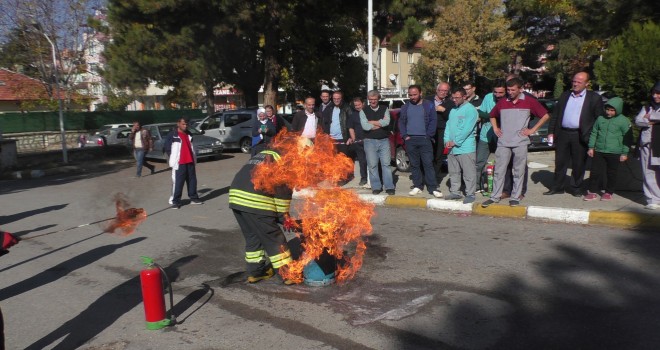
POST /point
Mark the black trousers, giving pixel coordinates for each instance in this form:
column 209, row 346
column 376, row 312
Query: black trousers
column 358, row 149
column 261, row 232
column 185, row 174
column 604, row 168
column 569, row 150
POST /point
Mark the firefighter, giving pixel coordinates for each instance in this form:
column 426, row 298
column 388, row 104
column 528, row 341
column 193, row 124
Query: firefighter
column 258, row 214
column 8, row 240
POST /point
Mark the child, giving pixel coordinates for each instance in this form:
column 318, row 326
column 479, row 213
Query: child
column 608, row 146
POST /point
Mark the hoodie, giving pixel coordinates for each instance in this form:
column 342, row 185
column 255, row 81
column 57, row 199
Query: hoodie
column 612, row 134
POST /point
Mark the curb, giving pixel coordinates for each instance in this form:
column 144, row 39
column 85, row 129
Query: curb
column 622, row 219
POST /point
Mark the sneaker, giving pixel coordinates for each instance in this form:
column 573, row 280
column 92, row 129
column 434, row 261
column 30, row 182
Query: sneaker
column 437, row 194
column 390, row 192
column 606, row 197
column 362, row 182
column 415, row 191
column 590, row 196
column 514, row 202
column 175, row 206
column 469, row 199
column 453, row 197
column 488, row 202
column 263, row 276
column 652, row 206
column 376, row 191
column 196, row 202
column 505, row 195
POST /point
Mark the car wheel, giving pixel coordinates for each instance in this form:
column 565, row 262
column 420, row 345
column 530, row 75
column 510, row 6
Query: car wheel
column 246, row 145
column 402, row 162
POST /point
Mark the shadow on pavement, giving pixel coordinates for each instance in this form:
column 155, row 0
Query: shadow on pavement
column 62, row 269
column 5, row 219
column 581, row 300
column 190, row 300
column 103, row 312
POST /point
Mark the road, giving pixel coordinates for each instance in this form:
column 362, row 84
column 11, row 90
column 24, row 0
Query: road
column 430, row 280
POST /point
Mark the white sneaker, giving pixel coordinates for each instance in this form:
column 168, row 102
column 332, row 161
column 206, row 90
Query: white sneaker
column 652, row 206
column 415, row 191
column 437, row 194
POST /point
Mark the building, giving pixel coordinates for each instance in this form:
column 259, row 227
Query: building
column 393, row 67
column 20, row 93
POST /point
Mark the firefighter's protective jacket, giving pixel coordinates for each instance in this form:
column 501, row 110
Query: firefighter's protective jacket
column 244, row 197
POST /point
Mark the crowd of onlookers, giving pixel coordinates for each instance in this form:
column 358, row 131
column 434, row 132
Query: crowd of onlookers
column 457, row 127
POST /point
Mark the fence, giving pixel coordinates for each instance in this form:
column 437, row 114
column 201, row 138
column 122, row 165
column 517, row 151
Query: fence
column 49, row 121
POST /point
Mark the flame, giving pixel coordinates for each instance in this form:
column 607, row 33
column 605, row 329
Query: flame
column 334, row 220
column 127, row 220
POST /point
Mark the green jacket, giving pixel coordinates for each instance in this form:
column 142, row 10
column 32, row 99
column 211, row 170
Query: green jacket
column 612, row 135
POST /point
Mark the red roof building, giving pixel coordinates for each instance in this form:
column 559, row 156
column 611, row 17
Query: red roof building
column 17, row 91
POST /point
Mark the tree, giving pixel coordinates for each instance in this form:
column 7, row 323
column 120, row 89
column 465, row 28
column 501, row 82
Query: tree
column 467, row 37
column 578, row 30
column 23, row 24
column 244, row 43
column 631, row 64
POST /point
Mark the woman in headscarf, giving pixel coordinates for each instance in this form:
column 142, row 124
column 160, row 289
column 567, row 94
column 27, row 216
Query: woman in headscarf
column 648, row 120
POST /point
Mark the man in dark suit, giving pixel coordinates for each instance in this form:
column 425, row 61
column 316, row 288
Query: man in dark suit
column 570, row 126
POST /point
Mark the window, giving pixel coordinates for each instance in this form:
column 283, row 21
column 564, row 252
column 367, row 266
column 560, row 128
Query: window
column 411, row 57
column 235, row 119
column 411, row 81
column 395, row 57
column 92, row 48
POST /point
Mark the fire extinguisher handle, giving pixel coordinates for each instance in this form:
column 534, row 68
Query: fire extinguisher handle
column 169, row 290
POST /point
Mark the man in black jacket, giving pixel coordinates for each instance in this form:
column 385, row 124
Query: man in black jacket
column 335, row 122
column 443, row 105
column 571, row 125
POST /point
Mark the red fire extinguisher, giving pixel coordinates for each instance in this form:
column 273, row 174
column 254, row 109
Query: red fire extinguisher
column 151, row 279
column 490, row 171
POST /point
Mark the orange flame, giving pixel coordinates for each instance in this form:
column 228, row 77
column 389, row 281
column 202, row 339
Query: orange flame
column 334, row 220
column 127, row 220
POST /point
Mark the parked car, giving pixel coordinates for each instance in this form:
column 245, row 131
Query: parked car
column 539, row 139
column 233, row 128
column 113, row 126
column 106, row 137
column 204, row 146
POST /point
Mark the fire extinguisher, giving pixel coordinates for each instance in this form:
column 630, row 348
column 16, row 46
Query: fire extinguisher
column 490, row 170
column 151, row 279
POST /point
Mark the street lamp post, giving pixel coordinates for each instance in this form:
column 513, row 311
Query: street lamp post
column 57, row 91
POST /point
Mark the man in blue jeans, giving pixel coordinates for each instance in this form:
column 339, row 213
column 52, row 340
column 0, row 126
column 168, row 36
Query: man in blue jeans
column 417, row 123
column 142, row 144
column 374, row 120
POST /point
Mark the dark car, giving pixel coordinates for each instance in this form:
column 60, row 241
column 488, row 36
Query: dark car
column 539, row 139
column 204, row 146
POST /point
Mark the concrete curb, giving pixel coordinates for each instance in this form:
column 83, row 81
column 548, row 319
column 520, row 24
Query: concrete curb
column 623, row 219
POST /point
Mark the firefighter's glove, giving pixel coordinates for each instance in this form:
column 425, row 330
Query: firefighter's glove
column 8, row 240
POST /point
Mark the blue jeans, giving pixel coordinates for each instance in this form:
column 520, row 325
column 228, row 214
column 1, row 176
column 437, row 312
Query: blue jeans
column 420, row 152
column 379, row 150
column 139, row 154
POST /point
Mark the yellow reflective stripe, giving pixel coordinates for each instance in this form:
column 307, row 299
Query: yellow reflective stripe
column 274, row 154
column 251, row 204
column 253, row 200
column 254, row 260
column 256, row 253
column 255, row 257
column 280, row 260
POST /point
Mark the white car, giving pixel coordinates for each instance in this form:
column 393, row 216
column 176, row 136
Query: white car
column 113, row 126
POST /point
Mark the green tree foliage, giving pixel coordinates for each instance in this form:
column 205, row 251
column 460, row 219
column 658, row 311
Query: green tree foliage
column 631, row 64
column 244, row 43
column 467, row 38
column 579, row 29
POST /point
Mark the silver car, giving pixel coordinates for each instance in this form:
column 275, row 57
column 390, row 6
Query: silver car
column 106, row 137
column 205, row 146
